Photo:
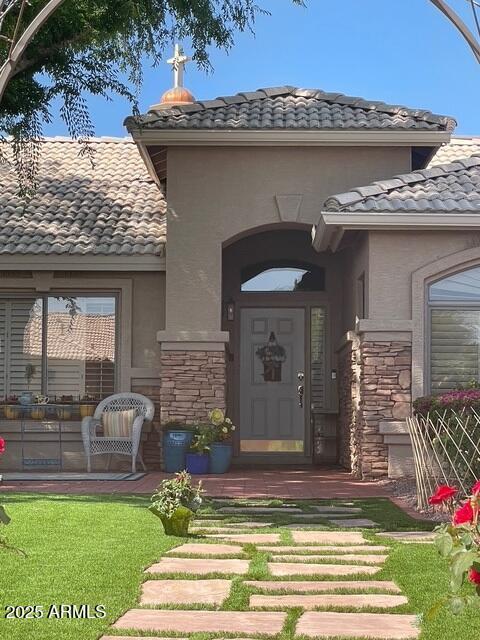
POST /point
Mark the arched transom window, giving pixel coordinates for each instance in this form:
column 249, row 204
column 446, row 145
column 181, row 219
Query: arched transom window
column 281, row 276
column 454, row 313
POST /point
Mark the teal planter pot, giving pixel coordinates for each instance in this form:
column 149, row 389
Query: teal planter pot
column 197, row 463
column 220, row 457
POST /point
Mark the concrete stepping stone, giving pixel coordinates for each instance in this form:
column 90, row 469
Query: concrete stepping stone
column 409, row 537
column 259, row 510
column 231, row 525
column 381, row 626
column 140, row 638
column 326, row 510
column 185, row 591
column 347, row 557
column 199, row 566
column 305, row 549
column 361, row 523
column 309, row 602
column 333, row 538
column 321, row 586
column 248, row 538
column 157, row 620
column 305, row 569
column 204, row 549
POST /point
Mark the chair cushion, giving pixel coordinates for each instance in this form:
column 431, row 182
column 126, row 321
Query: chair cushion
column 118, row 424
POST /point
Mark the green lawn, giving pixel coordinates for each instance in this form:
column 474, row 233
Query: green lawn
column 92, row 550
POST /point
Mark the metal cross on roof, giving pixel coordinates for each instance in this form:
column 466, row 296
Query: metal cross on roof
column 178, row 64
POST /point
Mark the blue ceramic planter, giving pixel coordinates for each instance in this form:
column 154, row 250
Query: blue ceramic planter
column 197, row 463
column 220, row 457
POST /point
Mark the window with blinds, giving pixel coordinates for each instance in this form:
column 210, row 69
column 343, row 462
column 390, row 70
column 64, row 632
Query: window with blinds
column 59, row 346
column 455, row 331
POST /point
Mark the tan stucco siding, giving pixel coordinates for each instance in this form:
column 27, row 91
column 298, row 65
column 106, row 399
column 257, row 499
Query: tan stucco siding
column 148, row 317
column 218, row 193
column 394, row 256
column 355, row 263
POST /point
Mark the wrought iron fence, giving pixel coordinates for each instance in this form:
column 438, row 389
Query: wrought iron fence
column 446, row 450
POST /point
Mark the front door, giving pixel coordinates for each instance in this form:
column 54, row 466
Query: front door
column 272, row 381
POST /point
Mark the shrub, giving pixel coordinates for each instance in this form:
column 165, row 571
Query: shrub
column 174, row 493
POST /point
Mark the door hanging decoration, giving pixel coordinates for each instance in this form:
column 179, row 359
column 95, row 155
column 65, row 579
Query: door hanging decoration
column 272, row 355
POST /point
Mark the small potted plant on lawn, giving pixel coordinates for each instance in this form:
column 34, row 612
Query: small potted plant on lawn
column 196, row 460
column 175, row 502
column 221, row 448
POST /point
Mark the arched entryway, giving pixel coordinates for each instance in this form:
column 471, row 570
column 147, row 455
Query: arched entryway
column 280, row 304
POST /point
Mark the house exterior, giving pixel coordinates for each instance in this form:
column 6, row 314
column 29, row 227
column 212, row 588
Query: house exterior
column 241, row 264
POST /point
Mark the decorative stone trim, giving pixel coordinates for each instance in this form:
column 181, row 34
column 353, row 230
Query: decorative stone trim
column 192, row 383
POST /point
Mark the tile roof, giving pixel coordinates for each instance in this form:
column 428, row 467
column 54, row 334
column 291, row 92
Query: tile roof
column 111, row 208
column 458, row 147
column 445, row 188
column 291, row 108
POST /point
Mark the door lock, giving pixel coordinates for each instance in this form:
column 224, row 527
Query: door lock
column 300, row 376
column 300, row 391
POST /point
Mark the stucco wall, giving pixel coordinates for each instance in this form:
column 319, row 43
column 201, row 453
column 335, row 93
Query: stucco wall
column 355, row 262
column 236, row 194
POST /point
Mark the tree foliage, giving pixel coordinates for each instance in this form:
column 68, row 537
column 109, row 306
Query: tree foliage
column 97, row 47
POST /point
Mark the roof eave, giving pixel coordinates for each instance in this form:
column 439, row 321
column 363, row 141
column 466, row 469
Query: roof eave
column 328, row 233
column 282, row 137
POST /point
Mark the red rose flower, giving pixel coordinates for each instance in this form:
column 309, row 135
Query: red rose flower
column 476, row 487
column 442, row 494
column 474, row 576
column 2, row 445
column 464, row 514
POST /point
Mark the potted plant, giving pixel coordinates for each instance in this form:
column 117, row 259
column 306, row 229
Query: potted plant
column 197, row 459
column 64, row 410
column 175, row 502
column 221, row 449
column 26, row 397
column 38, row 411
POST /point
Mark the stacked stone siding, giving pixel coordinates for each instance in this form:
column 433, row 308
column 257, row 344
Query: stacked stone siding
column 385, row 389
column 192, row 383
column 374, row 387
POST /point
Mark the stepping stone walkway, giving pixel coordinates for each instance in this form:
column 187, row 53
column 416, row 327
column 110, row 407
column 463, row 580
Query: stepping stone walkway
column 204, row 549
column 328, row 537
column 337, row 510
column 248, row 538
column 260, row 510
column 347, row 557
column 268, row 623
column 367, row 548
column 320, row 586
column 304, row 569
column 326, row 624
column 409, row 537
column 344, row 556
column 354, row 523
column 199, row 566
column 309, row 602
column 185, row 591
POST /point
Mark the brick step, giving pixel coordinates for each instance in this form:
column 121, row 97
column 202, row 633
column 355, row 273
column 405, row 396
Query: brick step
column 156, row 620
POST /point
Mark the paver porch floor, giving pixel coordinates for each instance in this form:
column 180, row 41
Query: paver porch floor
column 311, row 482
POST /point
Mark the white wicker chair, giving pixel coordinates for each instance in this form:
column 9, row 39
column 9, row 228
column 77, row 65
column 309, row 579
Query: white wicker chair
column 96, row 445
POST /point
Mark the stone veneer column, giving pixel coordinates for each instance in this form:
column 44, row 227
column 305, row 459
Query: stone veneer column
column 374, row 387
column 192, row 383
column 385, row 391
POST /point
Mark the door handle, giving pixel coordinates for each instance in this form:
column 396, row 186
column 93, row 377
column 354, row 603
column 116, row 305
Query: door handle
column 300, row 391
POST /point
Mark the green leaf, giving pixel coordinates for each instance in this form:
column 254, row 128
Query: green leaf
column 444, row 544
column 461, row 563
column 4, row 517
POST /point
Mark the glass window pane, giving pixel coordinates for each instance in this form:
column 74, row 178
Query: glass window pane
column 23, row 365
column 460, row 286
column 81, row 347
column 286, row 279
column 454, row 348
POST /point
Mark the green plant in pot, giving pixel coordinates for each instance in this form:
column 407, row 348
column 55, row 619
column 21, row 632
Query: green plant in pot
column 197, row 458
column 175, row 502
column 221, row 449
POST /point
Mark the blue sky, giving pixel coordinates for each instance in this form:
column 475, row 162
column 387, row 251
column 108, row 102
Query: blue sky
column 398, row 51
